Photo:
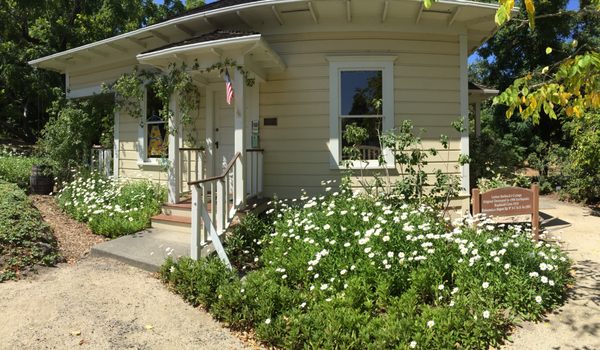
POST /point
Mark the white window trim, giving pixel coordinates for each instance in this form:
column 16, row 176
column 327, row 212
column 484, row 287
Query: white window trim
column 338, row 64
column 143, row 159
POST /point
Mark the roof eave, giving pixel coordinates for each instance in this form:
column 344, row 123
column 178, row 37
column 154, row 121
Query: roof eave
column 201, row 45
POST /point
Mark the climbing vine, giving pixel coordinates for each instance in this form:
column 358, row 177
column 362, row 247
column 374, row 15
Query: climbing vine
column 177, row 78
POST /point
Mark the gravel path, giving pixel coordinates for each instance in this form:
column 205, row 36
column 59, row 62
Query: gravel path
column 576, row 325
column 102, row 304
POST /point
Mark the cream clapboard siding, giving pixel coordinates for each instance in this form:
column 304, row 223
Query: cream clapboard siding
column 426, row 83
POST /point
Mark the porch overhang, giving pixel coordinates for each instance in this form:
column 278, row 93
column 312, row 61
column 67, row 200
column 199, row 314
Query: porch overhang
column 479, row 93
column 252, row 49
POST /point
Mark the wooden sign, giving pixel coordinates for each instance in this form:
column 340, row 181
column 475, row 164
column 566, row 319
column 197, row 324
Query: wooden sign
column 510, row 201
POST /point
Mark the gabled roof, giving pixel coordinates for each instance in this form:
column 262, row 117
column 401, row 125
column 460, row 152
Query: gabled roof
column 218, row 34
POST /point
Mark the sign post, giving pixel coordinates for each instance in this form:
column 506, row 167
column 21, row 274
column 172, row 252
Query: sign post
column 510, row 201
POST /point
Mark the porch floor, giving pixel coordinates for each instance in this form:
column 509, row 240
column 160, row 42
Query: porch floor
column 146, row 249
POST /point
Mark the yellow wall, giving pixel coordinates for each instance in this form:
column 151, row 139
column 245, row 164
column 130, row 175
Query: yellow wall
column 426, row 84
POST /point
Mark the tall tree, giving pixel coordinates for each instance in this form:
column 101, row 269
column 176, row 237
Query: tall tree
column 33, row 28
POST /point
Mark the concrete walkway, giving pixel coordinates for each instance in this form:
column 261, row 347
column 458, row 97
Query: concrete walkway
column 147, row 249
column 576, row 325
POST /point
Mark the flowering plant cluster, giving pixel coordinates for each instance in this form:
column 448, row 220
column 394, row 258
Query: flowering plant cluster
column 109, row 208
column 351, row 271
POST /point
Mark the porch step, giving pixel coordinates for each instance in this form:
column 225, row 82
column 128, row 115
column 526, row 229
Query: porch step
column 173, row 223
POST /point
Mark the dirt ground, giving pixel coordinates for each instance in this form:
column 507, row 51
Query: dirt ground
column 96, row 303
column 102, row 304
column 576, row 325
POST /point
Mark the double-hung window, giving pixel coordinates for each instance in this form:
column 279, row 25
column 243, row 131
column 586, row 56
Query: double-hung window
column 362, row 95
column 153, row 136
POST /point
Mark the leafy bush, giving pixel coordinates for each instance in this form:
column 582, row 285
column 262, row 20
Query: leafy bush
column 499, row 181
column 25, row 240
column 74, row 126
column 243, row 244
column 17, row 169
column 582, row 166
column 109, row 208
column 351, row 271
column 410, row 158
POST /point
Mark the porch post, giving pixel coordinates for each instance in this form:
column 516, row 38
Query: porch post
column 464, row 107
column 239, row 98
column 175, row 132
column 210, row 131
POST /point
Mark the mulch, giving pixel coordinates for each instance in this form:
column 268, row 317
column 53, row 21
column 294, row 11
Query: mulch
column 75, row 239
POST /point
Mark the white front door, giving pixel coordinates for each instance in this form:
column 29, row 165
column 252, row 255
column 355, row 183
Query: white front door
column 224, row 138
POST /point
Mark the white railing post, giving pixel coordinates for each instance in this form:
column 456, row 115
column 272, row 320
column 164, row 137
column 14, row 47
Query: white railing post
column 197, row 237
column 218, row 207
column 259, row 176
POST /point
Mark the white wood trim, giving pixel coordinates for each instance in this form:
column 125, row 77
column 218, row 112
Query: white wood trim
column 239, row 111
column 175, row 132
column 143, row 160
column 336, row 65
column 210, row 131
column 464, row 107
column 84, row 92
column 116, row 144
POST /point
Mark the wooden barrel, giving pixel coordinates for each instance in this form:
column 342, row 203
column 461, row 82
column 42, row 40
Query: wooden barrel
column 40, row 183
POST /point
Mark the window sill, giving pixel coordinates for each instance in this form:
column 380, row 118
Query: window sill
column 371, row 165
column 149, row 163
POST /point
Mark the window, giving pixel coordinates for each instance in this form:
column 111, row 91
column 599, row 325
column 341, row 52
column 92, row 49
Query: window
column 361, row 94
column 153, row 136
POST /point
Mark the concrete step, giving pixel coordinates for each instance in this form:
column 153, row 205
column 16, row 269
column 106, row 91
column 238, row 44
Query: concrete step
column 147, row 249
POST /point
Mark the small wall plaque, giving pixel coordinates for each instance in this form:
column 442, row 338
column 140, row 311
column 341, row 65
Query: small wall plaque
column 270, row 121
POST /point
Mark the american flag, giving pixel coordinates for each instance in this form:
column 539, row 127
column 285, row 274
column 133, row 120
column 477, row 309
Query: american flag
column 228, row 87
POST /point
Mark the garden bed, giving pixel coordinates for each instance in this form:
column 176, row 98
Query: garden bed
column 346, row 271
column 109, row 208
column 25, row 240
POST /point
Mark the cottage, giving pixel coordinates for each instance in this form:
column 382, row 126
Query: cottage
column 314, row 63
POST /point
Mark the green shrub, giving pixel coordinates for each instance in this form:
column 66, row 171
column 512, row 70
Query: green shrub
column 74, row 126
column 109, row 208
column 582, row 166
column 242, row 246
column 17, row 169
column 25, row 240
column 350, row 271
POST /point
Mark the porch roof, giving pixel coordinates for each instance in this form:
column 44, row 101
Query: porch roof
column 212, row 46
column 479, row 93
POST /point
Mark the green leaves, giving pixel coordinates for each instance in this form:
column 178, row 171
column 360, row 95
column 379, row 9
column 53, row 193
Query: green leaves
column 548, row 50
column 572, row 89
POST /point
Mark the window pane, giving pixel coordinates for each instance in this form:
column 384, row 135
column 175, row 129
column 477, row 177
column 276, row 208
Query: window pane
column 156, row 140
column 153, row 106
column 369, row 149
column 361, row 92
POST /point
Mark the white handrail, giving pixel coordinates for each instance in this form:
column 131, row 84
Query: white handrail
column 191, row 167
column 211, row 212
